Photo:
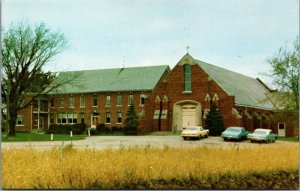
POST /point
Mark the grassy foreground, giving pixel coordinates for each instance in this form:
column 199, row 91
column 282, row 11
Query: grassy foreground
column 154, row 168
column 21, row 137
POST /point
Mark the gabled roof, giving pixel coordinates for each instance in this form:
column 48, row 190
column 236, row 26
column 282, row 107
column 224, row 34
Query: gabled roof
column 247, row 91
column 112, row 80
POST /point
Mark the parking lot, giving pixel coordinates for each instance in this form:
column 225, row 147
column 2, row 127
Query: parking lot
column 103, row 142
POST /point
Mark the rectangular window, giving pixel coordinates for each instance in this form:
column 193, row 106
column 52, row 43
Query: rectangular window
column 119, row 100
column 82, row 101
column 61, row 102
column 62, row 118
column 187, row 78
column 51, row 118
column 142, row 99
column 72, row 118
column 51, row 102
column 20, row 120
column 119, row 117
column 107, row 101
column 130, row 100
column 35, row 106
column 72, row 101
column 107, row 117
column 95, row 100
column 82, row 118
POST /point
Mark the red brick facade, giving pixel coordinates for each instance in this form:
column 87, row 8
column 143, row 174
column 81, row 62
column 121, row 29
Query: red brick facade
column 167, row 108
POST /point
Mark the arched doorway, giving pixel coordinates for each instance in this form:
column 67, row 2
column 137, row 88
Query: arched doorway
column 186, row 113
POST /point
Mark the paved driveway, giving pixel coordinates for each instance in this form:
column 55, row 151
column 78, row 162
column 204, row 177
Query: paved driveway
column 102, row 142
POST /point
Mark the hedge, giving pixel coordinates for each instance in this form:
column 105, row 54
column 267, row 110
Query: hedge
column 65, row 129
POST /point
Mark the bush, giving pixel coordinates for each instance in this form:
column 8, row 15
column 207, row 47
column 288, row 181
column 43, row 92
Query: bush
column 116, row 129
column 65, row 129
column 101, row 129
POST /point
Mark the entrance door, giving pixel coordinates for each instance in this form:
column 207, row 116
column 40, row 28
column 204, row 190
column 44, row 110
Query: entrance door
column 281, row 129
column 188, row 116
column 95, row 120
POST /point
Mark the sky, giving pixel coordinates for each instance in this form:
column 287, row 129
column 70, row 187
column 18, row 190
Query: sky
column 239, row 35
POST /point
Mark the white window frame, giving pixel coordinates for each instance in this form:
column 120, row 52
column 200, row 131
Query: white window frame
column 72, row 101
column 107, row 114
column 108, row 101
column 61, row 102
column 130, row 97
column 82, row 101
column 20, row 118
column 119, row 100
column 119, row 112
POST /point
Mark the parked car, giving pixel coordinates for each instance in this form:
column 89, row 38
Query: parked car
column 261, row 135
column 194, row 132
column 236, row 133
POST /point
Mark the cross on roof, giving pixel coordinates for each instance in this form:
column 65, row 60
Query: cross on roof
column 187, row 49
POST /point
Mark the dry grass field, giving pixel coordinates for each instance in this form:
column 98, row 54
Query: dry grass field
column 69, row 168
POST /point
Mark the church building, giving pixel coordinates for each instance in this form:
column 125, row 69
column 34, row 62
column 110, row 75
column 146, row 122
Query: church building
column 165, row 99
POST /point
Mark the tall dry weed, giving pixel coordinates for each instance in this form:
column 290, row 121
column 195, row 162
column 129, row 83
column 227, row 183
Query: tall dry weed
column 69, row 168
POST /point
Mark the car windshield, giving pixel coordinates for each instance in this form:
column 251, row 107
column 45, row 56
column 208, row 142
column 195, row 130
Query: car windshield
column 233, row 130
column 260, row 132
column 191, row 128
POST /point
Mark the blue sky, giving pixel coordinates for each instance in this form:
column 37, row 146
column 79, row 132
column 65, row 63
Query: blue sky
column 235, row 34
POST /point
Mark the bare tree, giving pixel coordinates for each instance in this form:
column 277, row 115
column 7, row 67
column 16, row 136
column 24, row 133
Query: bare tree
column 25, row 51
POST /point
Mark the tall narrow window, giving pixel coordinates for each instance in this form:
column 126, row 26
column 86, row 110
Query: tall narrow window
column 107, row 117
column 95, row 100
column 119, row 100
column 142, row 99
column 187, row 78
column 51, row 102
column 82, row 101
column 81, row 117
column 72, row 101
column 119, row 117
column 61, row 102
column 108, row 101
column 130, row 99
column 51, row 118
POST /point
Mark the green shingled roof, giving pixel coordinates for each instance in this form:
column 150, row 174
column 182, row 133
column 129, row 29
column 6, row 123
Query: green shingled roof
column 112, row 80
column 246, row 90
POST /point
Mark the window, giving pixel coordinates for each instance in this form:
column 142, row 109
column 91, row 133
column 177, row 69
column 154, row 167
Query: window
column 108, row 101
column 20, row 120
column 82, row 118
column 51, row 118
column 281, row 125
column 66, row 118
column 61, row 102
column 82, row 101
column 72, row 118
column 187, row 78
column 142, row 99
column 107, row 117
column 119, row 100
column 71, row 101
column 130, row 100
column 95, row 100
column 62, row 118
column 119, row 117
column 51, row 102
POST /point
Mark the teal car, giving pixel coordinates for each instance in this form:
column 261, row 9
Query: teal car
column 262, row 135
column 234, row 133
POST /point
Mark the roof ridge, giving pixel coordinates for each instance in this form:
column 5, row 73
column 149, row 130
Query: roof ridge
column 113, row 68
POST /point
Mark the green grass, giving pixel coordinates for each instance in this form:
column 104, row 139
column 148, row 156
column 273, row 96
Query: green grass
column 290, row 139
column 20, row 137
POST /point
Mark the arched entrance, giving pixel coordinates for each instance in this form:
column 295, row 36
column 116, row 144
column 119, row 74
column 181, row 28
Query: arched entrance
column 186, row 113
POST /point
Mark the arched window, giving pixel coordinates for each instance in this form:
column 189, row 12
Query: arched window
column 187, row 78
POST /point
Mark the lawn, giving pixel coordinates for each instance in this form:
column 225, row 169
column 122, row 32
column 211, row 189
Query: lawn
column 20, row 137
column 291, row 139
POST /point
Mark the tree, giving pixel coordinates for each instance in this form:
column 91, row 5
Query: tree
column 285, row 77
column 25, row 51
column 131, row 121
column 214, row 121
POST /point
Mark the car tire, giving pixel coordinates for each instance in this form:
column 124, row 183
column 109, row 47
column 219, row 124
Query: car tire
column 225, row 139
column 184, row 138
column 251, row 141
column 206, row 136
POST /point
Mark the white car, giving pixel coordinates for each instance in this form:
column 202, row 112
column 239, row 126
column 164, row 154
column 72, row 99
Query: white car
column 194, row 132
